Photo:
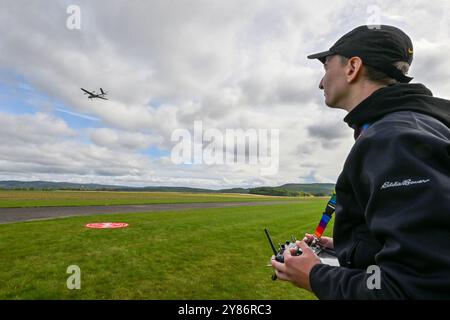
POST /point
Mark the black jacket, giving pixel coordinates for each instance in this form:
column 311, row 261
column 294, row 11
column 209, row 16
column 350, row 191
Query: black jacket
column 393, row 200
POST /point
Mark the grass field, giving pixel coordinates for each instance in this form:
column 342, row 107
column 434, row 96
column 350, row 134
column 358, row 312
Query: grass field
column 194, row 254
column 16, row 198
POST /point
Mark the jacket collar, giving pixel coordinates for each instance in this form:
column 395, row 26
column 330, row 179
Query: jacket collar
column 399, row 97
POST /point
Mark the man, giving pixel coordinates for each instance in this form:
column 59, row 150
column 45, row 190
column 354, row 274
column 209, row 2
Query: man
column 393, row 194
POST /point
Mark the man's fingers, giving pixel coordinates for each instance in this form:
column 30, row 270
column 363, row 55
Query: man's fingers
column 308, row 237
column 281, row 275
column 304, row 246
column 278, row 266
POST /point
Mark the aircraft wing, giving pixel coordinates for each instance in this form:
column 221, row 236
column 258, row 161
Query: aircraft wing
column 86, row 91
column 101, row 98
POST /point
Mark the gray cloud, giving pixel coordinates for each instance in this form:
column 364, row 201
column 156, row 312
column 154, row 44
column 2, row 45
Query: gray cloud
column 328, row 132
column 29, row 128
column 114, row 139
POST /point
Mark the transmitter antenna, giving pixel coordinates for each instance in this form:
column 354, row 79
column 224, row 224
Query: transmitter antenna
column 270, row 241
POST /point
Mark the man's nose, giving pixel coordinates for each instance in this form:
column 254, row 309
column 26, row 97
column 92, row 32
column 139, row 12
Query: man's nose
column 321, row 84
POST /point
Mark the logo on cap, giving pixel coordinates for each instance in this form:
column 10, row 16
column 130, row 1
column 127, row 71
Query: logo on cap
column 410, row 51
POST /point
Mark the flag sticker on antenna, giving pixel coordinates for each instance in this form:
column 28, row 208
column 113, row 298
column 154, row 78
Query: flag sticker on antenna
column 107, row 225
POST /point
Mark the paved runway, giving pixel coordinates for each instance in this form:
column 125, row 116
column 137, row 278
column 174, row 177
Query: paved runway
column 10, row 215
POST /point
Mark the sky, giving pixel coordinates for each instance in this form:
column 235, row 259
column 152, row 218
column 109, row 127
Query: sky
column 169, row 65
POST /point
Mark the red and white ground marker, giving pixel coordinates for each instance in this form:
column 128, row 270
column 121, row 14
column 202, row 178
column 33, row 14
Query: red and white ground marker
column 107, row 225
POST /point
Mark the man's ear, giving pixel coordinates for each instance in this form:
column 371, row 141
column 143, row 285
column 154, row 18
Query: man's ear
column 353, row 68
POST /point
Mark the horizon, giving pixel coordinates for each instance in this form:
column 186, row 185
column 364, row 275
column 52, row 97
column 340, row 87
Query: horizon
column 157, row 186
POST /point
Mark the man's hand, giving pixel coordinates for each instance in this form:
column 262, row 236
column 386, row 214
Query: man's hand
column 296, row 269
column 326, row 242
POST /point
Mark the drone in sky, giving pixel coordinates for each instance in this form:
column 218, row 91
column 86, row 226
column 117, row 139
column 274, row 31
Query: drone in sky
column 93, row 95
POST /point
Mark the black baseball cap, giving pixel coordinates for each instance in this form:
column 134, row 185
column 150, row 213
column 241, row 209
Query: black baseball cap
column 378, row 46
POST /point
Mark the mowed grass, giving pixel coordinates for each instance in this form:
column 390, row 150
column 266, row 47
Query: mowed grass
column 193, row 254
column 18, row 198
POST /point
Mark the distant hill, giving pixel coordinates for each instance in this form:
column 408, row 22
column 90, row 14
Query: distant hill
column 233, row 190
column 48, row 185
column 43, row 185
column 316, row 189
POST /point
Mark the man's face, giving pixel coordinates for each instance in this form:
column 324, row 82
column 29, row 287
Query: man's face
column 334, row 83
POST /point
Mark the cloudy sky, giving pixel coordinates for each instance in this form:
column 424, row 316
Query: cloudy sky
column 168, row 64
